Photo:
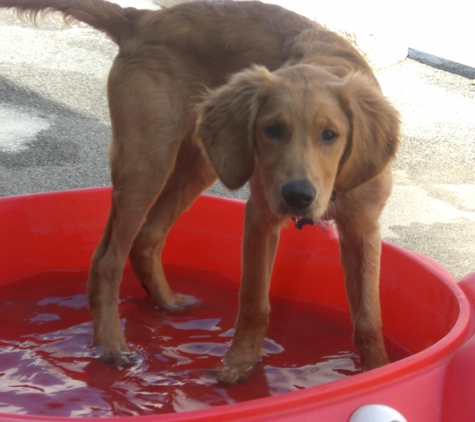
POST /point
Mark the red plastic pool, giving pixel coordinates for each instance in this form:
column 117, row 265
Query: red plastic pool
column 424, row 310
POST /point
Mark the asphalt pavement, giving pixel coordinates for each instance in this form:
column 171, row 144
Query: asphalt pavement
column 55, row 131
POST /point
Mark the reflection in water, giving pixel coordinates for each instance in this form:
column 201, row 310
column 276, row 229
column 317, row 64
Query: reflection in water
column 197, row 324
column 285, row 380
column 47, row 364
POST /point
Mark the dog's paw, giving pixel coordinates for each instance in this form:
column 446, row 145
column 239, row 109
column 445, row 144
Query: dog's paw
column 118, row 358
column 184, row 303
column 235, row 374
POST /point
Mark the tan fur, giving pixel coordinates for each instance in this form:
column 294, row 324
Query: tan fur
column 247, row 92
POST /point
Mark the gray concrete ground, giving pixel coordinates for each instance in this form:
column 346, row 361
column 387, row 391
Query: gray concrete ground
column 54, row 133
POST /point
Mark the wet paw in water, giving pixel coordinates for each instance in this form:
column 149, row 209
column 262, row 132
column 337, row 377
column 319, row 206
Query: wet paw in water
column 185, row 303
column 235, row 374
column 120, row 360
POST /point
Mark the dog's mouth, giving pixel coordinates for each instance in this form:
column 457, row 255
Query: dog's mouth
column 301, row 222
column 300, row 217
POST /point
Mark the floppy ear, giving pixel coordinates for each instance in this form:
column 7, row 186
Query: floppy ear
column 374, row 132
column 225, row 125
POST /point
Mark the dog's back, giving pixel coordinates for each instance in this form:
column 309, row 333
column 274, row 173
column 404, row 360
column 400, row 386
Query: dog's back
column 229, row 27
column 222, row 37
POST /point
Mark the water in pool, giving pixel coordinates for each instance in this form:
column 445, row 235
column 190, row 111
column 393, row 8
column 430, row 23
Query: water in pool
column 47, row 364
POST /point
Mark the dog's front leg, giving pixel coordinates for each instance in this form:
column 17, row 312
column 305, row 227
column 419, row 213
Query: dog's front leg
column 261, row 237
column 360, row 249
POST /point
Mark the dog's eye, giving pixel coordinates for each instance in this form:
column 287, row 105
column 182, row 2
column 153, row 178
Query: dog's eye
column 328, row 136
column 274, row 132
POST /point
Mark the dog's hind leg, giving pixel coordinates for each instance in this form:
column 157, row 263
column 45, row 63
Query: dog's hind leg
column 106, row 271
column 146, row 136
column 192, row 174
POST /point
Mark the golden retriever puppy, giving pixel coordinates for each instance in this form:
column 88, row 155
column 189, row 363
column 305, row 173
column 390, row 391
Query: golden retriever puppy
column 244, row 92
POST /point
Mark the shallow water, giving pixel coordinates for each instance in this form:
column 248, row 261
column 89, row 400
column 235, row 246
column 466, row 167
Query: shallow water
column 47, row 365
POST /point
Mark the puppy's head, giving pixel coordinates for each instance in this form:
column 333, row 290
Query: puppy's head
column 303, row 132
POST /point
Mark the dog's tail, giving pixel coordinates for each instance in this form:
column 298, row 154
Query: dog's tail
column 102, row 15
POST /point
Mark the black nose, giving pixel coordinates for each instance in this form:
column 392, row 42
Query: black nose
column 298, row 194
